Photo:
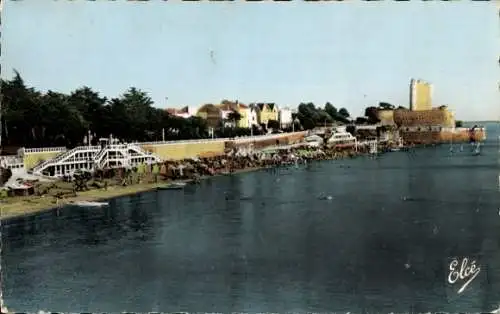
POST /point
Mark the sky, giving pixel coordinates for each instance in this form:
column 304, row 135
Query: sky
column 352, row 54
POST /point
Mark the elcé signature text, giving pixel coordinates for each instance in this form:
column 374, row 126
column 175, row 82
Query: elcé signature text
column 467, row 272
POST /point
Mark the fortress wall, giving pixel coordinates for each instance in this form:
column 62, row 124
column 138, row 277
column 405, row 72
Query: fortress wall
column 425, row 136
column 386, row 117
column 421, row 137
column 432, row 117
column 462, row 135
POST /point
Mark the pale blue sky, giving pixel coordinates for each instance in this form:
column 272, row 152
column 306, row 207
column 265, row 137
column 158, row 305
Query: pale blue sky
column 352, row 54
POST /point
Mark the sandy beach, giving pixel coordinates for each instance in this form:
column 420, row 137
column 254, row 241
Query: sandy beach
column 22, row 206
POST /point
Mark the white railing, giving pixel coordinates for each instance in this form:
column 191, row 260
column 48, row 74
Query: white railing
column 99, row 155
column 222, row 139
column 80, row 159
column 123, row 148
column 141, row 152
column 263, row 137
column 182, row 141
column 44, row 150
column 137, row 147
column 41, row 166
column 241, row 138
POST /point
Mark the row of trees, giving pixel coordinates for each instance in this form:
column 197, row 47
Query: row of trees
column 34, row 119
column 311, row 116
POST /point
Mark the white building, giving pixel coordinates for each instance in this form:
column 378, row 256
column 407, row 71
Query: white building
column 226, row 108
column 253, row 116
column 285, row 117
column 185, row 112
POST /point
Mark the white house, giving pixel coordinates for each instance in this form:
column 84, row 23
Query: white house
column 184, row 112
column 285, row 117
column 226, row 108
column 253, row 115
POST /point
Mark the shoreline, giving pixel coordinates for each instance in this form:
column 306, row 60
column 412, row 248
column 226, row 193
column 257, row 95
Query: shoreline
column 32, row 205
column 27, row 206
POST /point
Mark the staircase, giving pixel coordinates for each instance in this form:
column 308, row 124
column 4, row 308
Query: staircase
column 100, row 156
column 116, row 155
column 42, row 166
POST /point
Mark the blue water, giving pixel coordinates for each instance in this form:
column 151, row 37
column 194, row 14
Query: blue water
column 382, row 243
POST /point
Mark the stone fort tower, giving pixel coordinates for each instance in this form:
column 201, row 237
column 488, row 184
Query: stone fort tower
column 420, row 95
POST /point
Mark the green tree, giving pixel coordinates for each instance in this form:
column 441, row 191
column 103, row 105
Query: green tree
column 273, row 124
column 91, row 107
column 459, row 123
column 361, row 120
column 234, row 116
column 344, row 113
column 331, row 110
column 386, row 106
column 137, row 105
column 64, row 124
column 21, row 113
column 307, row 115
column 371, row 113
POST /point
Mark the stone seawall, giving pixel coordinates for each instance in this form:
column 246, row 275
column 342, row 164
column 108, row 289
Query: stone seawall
column 279, row 139
column 443, row 136
column 214, row 147
column 463, row 135
column 186, row 149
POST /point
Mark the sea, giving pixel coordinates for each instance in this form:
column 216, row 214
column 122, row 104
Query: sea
column 414, row 231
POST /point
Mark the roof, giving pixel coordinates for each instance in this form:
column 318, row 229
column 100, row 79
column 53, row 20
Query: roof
column 231, row 105
column 177, row 110
column 269, row 105
column 208, row 107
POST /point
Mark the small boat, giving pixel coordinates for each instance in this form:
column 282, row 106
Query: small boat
column 172, row 186
column 90, row 204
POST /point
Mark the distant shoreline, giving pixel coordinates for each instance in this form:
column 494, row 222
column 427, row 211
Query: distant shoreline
column 487, row 121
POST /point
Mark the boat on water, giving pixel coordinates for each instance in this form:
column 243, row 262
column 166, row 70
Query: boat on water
column 342, row 138
column 172, row 186
column 314, row 141
column 90, row 204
